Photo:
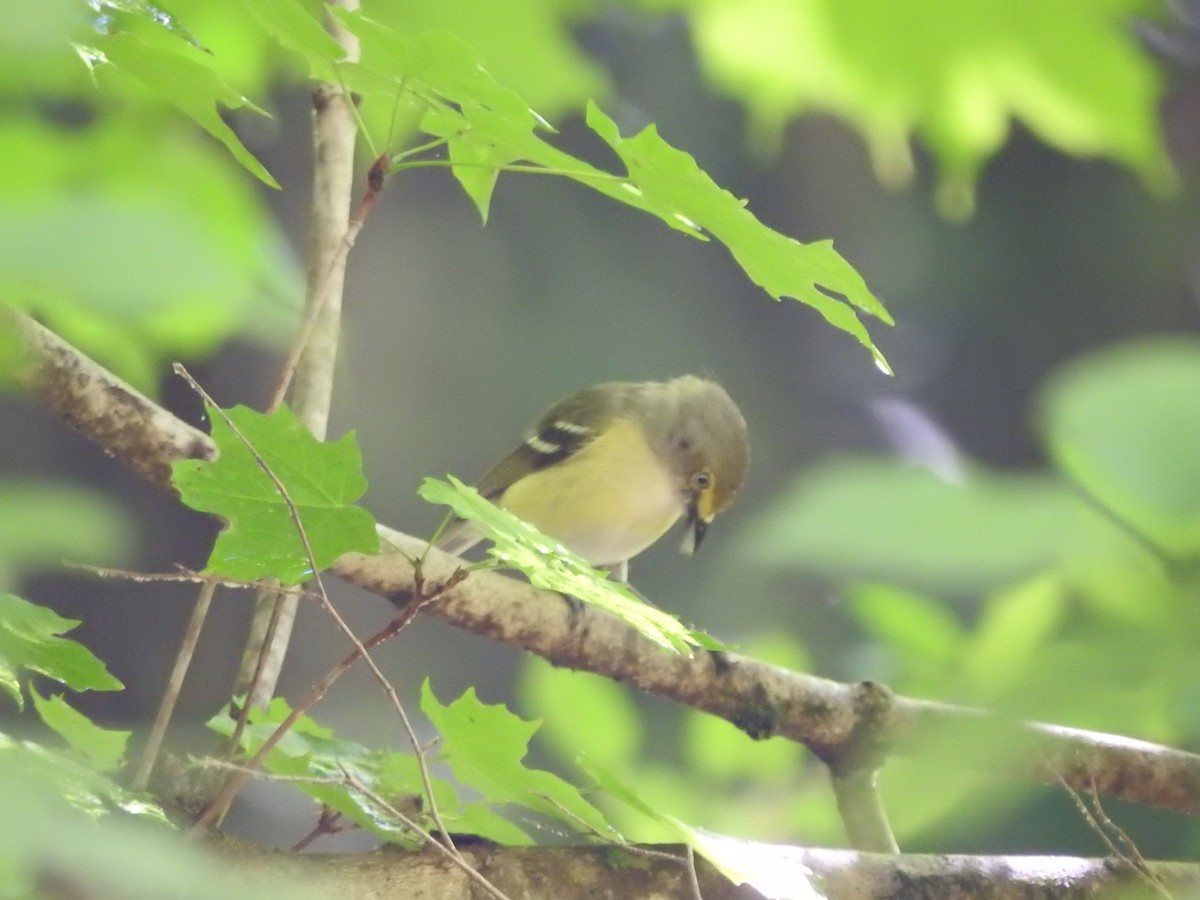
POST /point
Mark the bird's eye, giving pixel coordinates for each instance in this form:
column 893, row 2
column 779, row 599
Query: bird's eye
column 702, row 481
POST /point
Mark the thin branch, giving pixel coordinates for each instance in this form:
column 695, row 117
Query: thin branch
column 1106, row 829
column 334, row 133
column 182, row 575
column 693, row 875
column 170, row 697
column 450, row 852
column 862, row 811
column 352, row 782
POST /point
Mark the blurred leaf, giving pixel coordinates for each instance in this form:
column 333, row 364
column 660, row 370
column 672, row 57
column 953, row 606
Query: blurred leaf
column 772, row 870
column 74, row 785
column 1125, row 424
column 300, row 31
column 956, row 75
column 582, row 713
column 55, row 822
column 717, row 749
column 878, row 519
column 136, row 244
column 177, row 73
column 926, row 635
column 527, row 45
column 45, row 522
column 103, row 748
column 29, row 639
column 549, row 565
column 1015, row 625
column 484, row 746
column 323, row 479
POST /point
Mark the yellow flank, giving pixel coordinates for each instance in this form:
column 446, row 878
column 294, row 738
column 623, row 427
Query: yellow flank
column 608, row 502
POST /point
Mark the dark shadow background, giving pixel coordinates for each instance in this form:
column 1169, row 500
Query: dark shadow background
column 457, row 336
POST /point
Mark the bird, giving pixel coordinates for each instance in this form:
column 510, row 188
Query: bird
column 609, row 470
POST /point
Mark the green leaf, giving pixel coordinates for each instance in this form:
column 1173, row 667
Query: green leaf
column 1125, row 424
column 136, row 244
column 1015, row 625
column 56, row 817
column 177, row 75
column 675, row 187
column 488, row 126
column 103, row 748
column 484, row 746
column 549, row 565
column 582, row 712
column 310, row 750
column 926, row 636
column 1073, row 72
column 296, row 29
column 29, row 639
column 879, row 519
column 322, row 479
column 528, row 46
column 718, row 749
column 73, row 783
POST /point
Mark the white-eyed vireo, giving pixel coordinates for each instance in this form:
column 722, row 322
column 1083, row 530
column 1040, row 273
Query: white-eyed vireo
column 609, row 470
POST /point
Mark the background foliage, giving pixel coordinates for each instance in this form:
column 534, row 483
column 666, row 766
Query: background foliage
column 1014, row 519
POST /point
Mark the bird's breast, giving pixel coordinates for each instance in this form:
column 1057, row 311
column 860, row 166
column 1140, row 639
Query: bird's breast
column 608, row 502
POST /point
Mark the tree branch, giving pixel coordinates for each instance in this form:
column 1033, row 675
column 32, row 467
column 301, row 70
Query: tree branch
column 829, row 717
column 579, row 872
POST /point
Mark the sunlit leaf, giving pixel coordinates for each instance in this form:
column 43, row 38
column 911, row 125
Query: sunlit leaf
column 956, row 75
column 487, row 126
column 547, row 564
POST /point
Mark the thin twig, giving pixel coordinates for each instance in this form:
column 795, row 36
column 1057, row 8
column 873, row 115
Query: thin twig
column 454, row 856
column 349, row 780
column 328, row 822
column 170, row 697
column 335, row 264
column 183, row 575
column 1100, row 824
column 221, row 803
column 693, row 876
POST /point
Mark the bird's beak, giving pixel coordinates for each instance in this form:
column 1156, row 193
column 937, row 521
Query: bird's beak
column 695, row 528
